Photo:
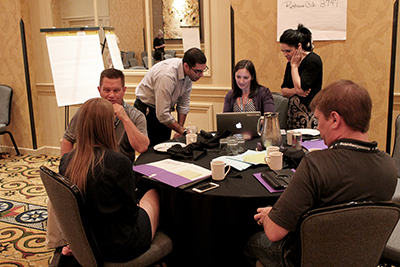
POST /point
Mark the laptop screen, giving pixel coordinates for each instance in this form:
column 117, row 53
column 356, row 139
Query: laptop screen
column 239, row 122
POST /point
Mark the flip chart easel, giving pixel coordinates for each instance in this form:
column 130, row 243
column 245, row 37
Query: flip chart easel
column 110, row 38
column 76, row 64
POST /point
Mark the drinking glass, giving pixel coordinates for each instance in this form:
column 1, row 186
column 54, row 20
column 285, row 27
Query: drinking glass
column 232, row 146
column 241, row 142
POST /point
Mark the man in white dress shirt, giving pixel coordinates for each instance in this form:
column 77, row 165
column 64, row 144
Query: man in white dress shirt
column 165, row 88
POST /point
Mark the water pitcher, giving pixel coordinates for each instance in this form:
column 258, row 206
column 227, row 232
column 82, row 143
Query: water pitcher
column 270, row 131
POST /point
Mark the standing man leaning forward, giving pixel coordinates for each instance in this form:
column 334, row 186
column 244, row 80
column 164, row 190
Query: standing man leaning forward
column 130, row 124
column 351, row 169
column 166, row 87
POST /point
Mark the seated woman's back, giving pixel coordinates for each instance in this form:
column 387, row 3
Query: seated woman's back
column 111, row 204
column 123, row 229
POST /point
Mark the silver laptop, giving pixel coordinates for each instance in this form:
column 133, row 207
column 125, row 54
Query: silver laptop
column 239, row 122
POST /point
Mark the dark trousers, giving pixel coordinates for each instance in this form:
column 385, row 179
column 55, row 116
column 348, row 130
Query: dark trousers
column 156, row 131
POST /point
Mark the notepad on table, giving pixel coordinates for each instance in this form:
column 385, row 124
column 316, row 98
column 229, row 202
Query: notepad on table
column 172, row 172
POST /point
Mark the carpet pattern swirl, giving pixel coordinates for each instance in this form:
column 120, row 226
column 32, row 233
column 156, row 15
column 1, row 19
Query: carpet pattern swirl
column 23, row 213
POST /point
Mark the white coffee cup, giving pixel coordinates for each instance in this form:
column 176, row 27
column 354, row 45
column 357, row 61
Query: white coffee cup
column 274, row 160
column 272, row 149
column 191, row 138
column 218, row 170
column 289, row 136
column 191, row 129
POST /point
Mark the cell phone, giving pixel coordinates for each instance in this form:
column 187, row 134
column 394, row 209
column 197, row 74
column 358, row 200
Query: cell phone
column 205, row 187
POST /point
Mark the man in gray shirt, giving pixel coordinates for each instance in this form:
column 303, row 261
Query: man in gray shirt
column 351, row 169
column 166, row 87
column 130, row 124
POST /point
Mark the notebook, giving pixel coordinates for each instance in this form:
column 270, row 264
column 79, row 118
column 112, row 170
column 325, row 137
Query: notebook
column 239, row 122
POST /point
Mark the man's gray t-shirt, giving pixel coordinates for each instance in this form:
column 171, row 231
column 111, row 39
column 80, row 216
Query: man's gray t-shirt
column 125, row 147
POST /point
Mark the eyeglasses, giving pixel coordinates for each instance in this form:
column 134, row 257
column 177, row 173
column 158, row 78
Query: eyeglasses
column 199, row 71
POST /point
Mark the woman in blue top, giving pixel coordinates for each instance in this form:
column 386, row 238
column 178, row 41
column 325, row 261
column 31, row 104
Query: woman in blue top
column 303, row 76
column 247, row 94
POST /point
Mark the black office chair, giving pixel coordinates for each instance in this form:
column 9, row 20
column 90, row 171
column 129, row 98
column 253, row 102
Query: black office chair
column 68, row 205
column 391, row 253
column 6, row 93
column 352, row 234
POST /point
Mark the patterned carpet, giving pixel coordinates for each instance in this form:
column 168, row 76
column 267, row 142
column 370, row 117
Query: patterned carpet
column 23, row 214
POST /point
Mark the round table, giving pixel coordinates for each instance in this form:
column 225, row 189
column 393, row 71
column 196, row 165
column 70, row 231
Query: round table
column 210, row 228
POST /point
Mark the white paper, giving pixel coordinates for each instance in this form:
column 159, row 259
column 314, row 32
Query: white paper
column 326, row 19
column 191, row 38
column 187, row 170
column 238, row 162
column 115, row 53
column 76, row 64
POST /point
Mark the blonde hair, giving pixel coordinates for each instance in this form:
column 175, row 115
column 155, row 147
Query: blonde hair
column 94, row 129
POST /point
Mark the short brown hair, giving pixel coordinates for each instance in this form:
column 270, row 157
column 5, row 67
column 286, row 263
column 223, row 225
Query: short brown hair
column 112, row 74
column 350, row 100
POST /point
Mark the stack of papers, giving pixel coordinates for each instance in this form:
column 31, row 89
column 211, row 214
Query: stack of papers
column 172, row 172
column 243, row 161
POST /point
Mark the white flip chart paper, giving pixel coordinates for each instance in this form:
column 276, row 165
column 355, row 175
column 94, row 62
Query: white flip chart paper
column 326, row 19
column 76, row 64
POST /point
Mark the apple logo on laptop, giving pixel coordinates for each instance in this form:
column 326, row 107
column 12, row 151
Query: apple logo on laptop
column 238, row 125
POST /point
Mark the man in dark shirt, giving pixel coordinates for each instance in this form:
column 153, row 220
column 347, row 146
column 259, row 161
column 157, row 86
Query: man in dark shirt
column 351, row 169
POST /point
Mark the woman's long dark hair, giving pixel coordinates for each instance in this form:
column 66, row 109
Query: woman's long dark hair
column 293, row 37
column 249, row 66
column 94, row 128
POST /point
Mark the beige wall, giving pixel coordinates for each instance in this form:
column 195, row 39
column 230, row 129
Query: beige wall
column 12, row 70
column 128, row 12
column 363, row 57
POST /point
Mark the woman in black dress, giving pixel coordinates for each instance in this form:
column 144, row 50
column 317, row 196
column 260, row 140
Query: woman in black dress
column 303, row 76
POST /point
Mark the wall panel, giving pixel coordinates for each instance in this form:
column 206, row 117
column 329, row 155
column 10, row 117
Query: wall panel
column 364, row 57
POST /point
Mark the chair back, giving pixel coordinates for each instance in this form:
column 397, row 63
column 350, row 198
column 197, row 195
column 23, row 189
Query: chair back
column 352, row 234
column 127, row 57
column 146, row 62
column 281, row 106
column 396, row 146
column 169, row 54
column 68, row 204
column 6, row 93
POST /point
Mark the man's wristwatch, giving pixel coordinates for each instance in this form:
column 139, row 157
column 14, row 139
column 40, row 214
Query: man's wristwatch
column 184, row 133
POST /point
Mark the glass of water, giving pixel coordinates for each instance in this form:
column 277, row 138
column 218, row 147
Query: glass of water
column 241, row 143
column 223, row 144
column 232, row 146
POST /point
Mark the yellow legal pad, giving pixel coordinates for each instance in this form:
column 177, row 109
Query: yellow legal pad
column 255, row 158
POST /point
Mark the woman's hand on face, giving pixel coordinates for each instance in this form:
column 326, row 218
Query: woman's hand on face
column 296, row 58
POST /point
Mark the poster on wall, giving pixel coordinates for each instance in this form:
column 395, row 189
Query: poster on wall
column 326, row 19
column 76, row 63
